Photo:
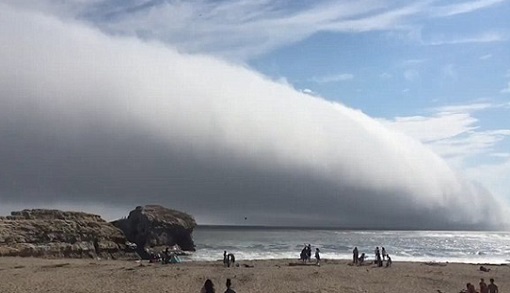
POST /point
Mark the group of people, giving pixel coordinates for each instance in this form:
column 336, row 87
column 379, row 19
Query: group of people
column 228, row 259
column 165, row 257
column 380, row 256
column 484, row 288
column 209, row 287
column 306, row 254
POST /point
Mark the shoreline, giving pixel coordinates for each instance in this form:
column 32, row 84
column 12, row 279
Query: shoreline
column 89, row 275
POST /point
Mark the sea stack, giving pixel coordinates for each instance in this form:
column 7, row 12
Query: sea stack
column 154, row 226
column 55, row 233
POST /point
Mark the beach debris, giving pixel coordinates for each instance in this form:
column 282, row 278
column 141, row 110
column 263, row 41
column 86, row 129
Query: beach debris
column 248, row 266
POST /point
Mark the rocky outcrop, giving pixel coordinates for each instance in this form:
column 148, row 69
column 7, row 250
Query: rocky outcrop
column 54, row 233
column 154, row 226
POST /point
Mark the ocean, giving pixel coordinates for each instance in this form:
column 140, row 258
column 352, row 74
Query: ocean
column 250, row 243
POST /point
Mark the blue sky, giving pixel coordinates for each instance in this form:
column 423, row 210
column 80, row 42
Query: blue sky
column 438, row 71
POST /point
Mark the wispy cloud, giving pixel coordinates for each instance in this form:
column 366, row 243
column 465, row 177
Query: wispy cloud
column 486, row 57
column 453, row 131
column 489, row 37
column 240, row 30
column 332, row 78
column 506, row 90
column 411, row 74
column 466, row 108
column 449, row 71
column 464, row 7
column 385, row 75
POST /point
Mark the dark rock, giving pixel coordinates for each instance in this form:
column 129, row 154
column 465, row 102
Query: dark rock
column 154, row 226
column 54, row 233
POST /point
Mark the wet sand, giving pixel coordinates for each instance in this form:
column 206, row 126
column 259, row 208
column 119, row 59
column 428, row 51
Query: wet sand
column 86, row 275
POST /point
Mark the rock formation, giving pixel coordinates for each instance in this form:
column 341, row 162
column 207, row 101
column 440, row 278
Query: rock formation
column 54, row 233
column 154, row 226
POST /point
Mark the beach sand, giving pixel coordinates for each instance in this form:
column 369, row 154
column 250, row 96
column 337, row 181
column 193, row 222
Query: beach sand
column 87, row 275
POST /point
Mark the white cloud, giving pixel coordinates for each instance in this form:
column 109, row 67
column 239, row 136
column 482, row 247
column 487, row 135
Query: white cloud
column 486, row 57
column 494, row 176
column 332, row 78
column 235, row 30
column 241, row 30
column 506, row 90
column 385, row 75
column 466, row 108
column 434, row 128
column 454, row 133
column 90, row 119
column 464, row 7
column 309, row 92
column 411, row 74
column 501, row 155
column 449, row 71
column 488, row 37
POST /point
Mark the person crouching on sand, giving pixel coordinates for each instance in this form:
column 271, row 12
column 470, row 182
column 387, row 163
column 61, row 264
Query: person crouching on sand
column 317, row 257
column 388, row 261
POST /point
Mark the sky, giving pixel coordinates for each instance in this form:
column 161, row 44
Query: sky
column 373, row 114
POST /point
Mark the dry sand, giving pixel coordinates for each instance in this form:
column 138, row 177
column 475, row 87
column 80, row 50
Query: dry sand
column 72, row 275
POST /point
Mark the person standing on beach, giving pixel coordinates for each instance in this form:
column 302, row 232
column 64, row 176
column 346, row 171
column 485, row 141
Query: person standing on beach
column 483, row 286
column 228, row 284
column 378, row 259
column 492, row 287
column 384, row 253
column 355, row 255
column 309, row 252
column 225, row 258
column 317, row 257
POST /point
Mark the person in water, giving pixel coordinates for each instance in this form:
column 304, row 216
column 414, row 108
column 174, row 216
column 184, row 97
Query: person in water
column 228, row 284
column 208, row 287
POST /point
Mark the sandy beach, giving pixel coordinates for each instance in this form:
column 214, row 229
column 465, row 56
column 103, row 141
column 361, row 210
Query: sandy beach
column 86, row 275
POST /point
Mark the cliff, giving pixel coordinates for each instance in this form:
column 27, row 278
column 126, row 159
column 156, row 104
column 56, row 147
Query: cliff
column 154, row 226
column 54, row 233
